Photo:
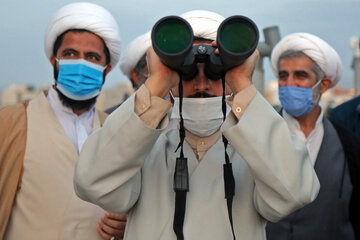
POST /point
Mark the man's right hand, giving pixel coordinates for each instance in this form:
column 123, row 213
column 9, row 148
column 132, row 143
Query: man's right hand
column 162, row 78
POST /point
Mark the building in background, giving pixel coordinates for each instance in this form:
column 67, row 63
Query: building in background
column 107, row 98
column 17, row 93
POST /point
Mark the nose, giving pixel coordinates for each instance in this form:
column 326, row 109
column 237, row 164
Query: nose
column 290, row 81
column 201, row 82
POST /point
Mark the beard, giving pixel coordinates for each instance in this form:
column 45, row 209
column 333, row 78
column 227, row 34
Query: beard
column 74, row 105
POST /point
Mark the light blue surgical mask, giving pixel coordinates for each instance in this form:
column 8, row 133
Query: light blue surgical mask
column 79, row 79
column 298, row 101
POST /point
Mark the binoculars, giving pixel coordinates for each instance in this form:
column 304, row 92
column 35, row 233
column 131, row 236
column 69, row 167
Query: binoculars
column 173, row 38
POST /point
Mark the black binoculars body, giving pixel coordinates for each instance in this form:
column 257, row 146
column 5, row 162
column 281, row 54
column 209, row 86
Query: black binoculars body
column 173, row 38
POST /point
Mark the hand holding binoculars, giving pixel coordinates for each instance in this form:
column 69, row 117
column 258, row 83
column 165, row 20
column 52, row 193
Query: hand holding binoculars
column 173, row 38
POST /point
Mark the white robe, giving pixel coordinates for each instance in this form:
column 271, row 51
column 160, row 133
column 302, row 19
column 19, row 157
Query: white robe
column 127, row 167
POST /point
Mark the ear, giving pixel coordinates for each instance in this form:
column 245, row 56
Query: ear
column 52, row 60
column 108, row 69
column 325, row 85
column 134, row 76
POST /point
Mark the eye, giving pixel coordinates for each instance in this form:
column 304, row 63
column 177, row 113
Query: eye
column 93, row 57
column 283, row 75
column 68, row 54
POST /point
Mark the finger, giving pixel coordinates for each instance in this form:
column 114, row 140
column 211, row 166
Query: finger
column 103, row 234
column 111, row 230
column 119, row 224
column 114, row 216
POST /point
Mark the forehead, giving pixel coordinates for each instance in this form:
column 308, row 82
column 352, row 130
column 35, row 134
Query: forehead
column 297, row 63
column 82, row 41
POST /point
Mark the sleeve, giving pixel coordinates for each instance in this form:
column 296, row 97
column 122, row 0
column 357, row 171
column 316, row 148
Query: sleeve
column 284, row 177
column 108, row 172
column 13, row 131
column 151, row 110
column 241, row 100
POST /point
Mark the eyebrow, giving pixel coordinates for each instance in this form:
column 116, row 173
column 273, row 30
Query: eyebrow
column 302, row 72
column 69, row 50
column 297, row 72
column 86, row 53
column 282, row 72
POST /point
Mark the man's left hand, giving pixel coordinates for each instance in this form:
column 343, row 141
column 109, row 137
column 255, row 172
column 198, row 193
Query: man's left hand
column 112, row 225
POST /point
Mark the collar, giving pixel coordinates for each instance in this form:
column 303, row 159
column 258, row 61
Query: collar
column 202, row 143
column 294, row 124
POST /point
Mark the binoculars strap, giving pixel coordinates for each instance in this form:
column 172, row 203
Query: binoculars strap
column 229, row 180
column 181, row 175
column 180, row 205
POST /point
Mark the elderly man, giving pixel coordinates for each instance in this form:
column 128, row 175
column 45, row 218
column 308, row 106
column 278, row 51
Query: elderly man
column 123, row 176
column 307, row 67
column 40, row 140
column 133, row 62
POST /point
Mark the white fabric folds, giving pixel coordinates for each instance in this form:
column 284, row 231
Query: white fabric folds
column 204, row 23
column 88, row 16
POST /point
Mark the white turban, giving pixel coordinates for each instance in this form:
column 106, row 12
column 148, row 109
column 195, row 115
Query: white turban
column 133, row 52
column 315, row 48
column 88, row 16
column 204, row 23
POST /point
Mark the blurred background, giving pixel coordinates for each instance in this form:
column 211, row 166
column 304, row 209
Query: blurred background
column 25, row 70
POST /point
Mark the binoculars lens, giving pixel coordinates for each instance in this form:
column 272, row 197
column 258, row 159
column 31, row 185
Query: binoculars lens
column 172, row 36
column 238, row 36
column 172, row 39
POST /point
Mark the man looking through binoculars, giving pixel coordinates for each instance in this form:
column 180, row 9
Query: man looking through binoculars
column 128, row 166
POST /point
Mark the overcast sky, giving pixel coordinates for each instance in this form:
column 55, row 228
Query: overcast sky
column 23, row 24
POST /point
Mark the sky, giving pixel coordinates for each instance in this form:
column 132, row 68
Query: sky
column 23, row 24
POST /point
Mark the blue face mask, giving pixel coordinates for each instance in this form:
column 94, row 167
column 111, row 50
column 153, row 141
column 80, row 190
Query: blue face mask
column 79, row 79
column 298, row 101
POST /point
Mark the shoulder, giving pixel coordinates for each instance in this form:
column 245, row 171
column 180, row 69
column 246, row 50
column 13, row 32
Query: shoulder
column 344, row 134
column 12, row 114
column 13, row 122
column 350, row 144
column 347, row 107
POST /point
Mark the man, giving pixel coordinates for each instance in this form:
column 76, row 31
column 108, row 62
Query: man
column 348, row 115
column 133, row 62
column 40, row 141
column 307, row 67
column 137, row 179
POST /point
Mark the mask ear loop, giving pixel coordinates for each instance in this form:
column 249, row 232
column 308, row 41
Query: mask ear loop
column 229, row 180
column 172, row 98
column 317, row 98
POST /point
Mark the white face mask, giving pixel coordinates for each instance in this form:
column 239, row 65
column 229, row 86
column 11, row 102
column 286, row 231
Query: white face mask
column 202, row 116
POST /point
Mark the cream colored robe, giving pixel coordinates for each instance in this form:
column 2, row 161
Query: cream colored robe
column 128, row 167
column 46, row 206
